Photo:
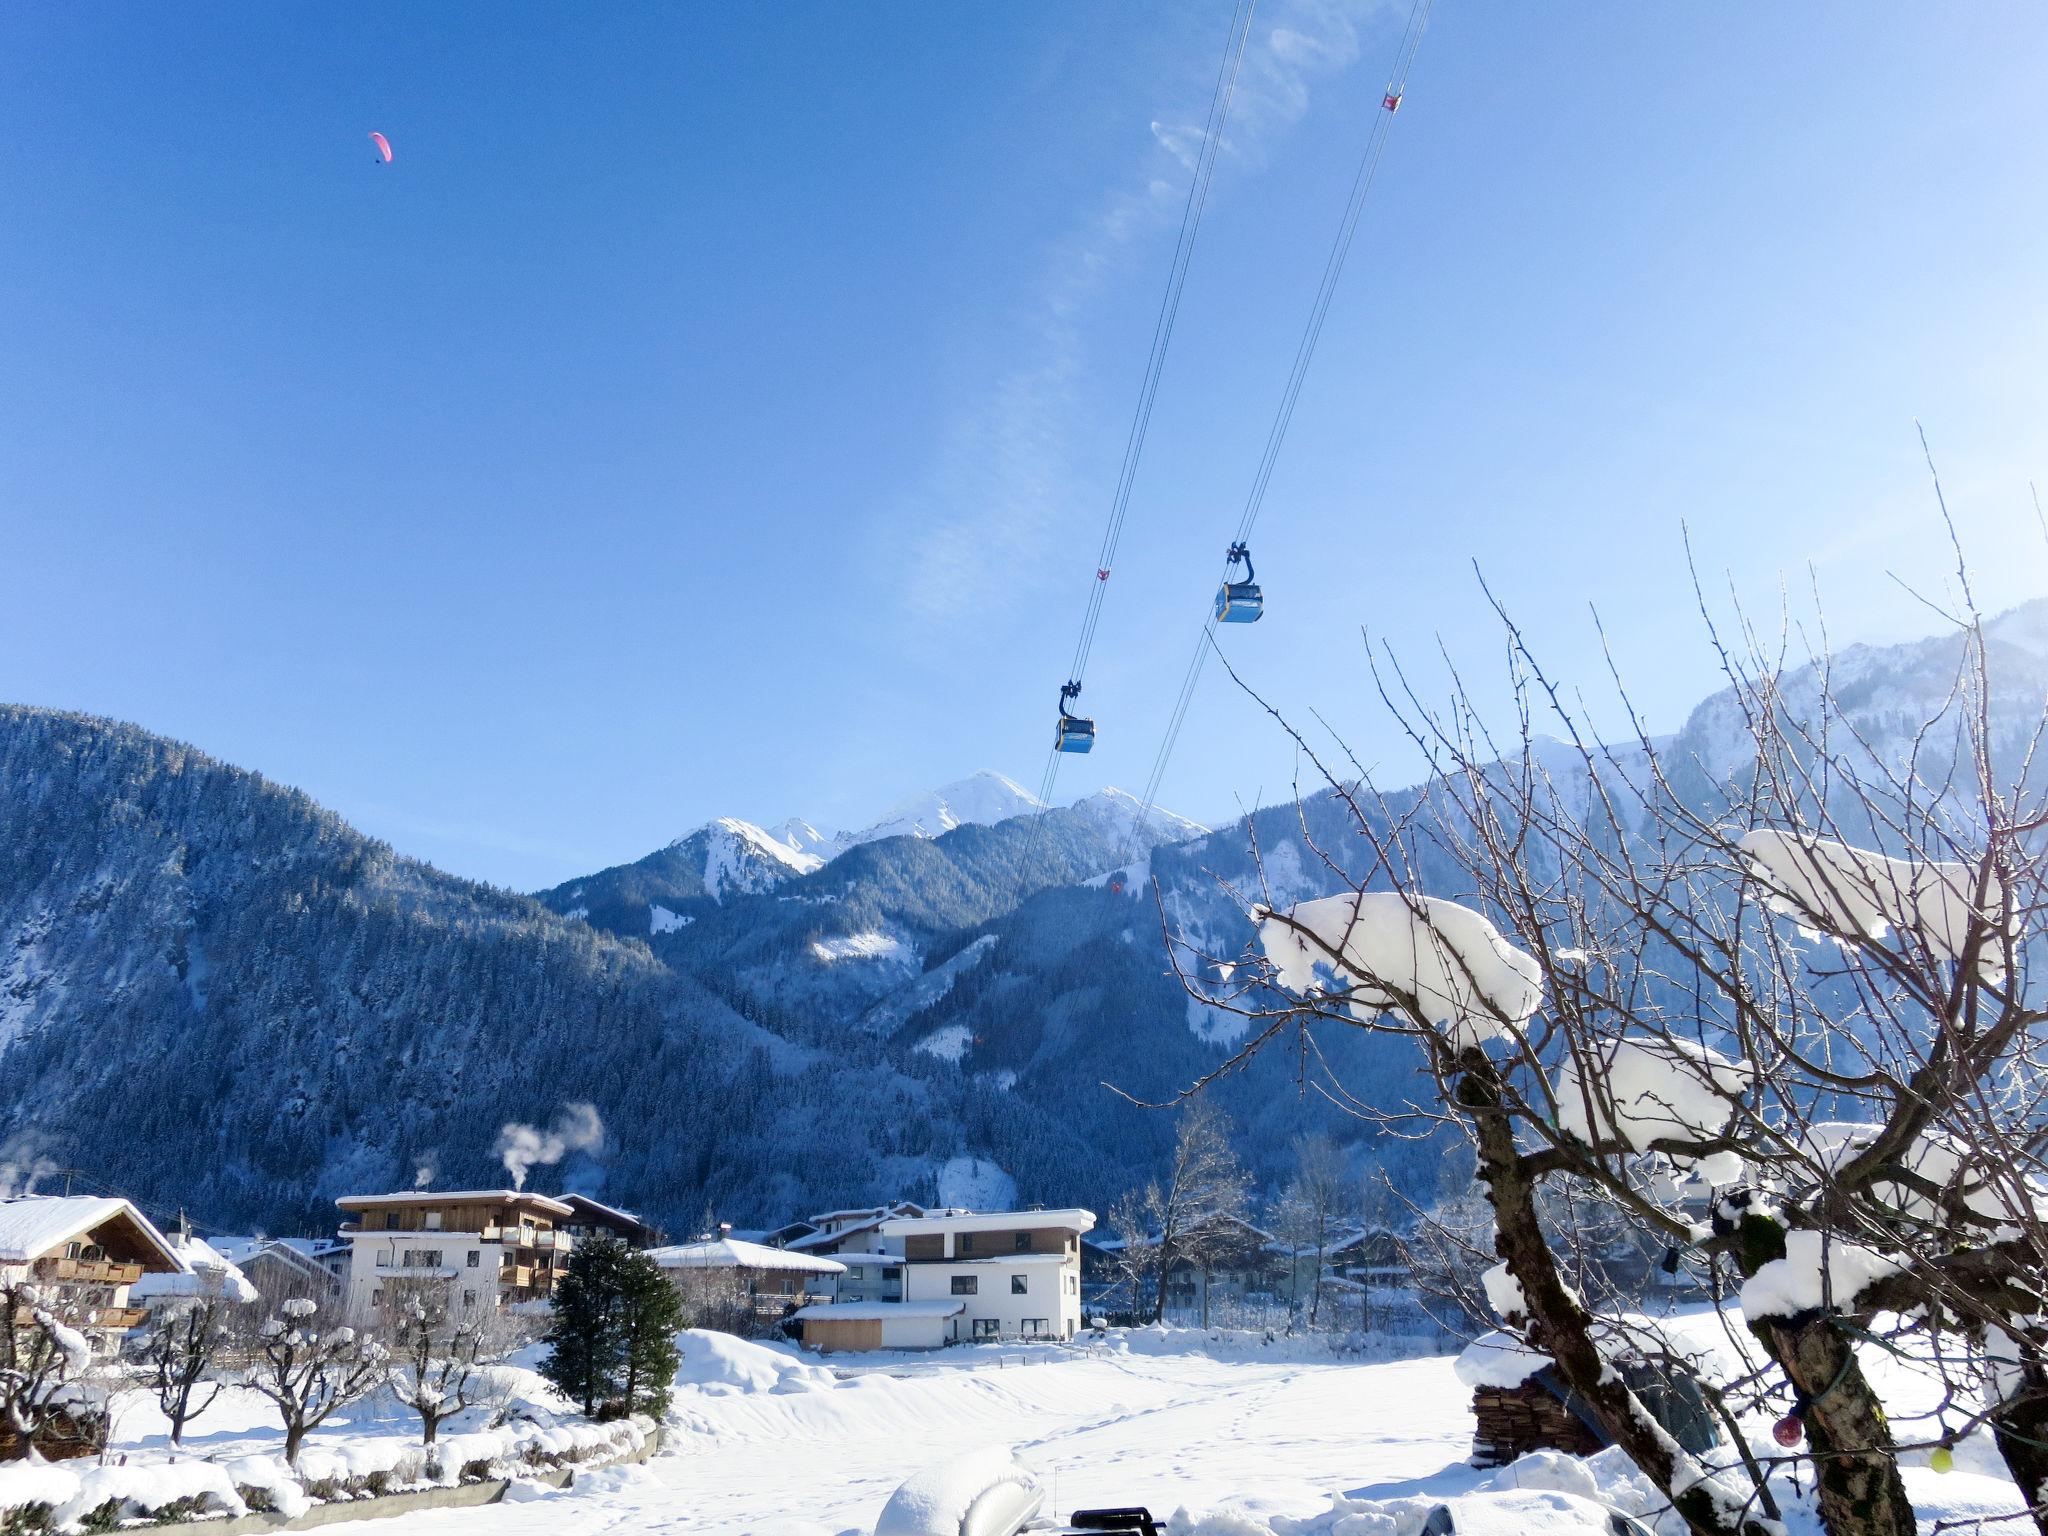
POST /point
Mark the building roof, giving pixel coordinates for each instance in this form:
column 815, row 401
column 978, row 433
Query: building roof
column 523, row 1197
column 206, row 1273
column 32, row 1225
column 1071, row 1219
column 731, row 1253
column 821, row 1237
column 583, row 1205
column 868, row 1260
column 877, row 1311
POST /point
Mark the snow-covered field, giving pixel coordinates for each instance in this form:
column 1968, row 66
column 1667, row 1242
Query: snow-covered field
column 1230, row 1434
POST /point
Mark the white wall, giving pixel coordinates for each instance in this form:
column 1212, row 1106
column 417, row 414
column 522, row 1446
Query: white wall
column 467, row 1262
column 1051, row 1297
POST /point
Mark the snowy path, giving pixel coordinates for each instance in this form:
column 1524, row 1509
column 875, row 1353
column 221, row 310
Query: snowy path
column 1168, row 1431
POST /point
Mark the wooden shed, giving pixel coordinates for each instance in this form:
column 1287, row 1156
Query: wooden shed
column 1520, row 1403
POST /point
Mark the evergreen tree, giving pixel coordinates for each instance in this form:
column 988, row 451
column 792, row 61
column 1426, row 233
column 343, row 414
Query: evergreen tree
column 586, row 1344
column 611, row 1345
column 649, row 1318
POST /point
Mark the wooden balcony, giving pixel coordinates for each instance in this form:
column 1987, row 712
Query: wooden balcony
column 91, row 1271
column 518, row 1277
column 122, row 1318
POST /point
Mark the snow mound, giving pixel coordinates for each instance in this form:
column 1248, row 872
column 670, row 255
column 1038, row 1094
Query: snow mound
column 981, row 1493
column 724, row 1361
column 1454, row 964
column 1852, row 893
column 1498, row 1359
column 863, row 946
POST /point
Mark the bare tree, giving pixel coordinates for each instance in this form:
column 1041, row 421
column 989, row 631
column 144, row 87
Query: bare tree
column 1137, row 1252
column 47, row 1372
column 1197, row 1214
column 1791, row 960
column 308, row 1366
column 441, row 1354
column 178, row 1357
column 1312, row 1210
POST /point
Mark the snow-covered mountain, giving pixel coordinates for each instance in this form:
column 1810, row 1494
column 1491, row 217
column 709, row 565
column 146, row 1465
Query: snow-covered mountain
column 291, row 1011
column 979, row 800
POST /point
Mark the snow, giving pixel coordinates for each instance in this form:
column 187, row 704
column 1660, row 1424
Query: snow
column 740, row 857
column 731, row 1253
column 936, row 1501
column 975, row 1184
column 1225, row 1434
column 1660, row 1089
column 661, row 920
column 1854, row 893
column 1463, row 974
column 948, row 1043
column 1504, row 1294
column 1816, row 1270
column 722, row 1361
column 863, row 946
column 1498, row 1359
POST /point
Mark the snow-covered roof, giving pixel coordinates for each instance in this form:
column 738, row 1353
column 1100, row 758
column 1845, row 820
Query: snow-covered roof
column 870, row 1260
column 583, row 1203
column 206, row 1273
column 1072, row 1219
column 819, row 1239
column 32, row 1225
column 730, row 1253
column 522, row 1197
column 877, row 1311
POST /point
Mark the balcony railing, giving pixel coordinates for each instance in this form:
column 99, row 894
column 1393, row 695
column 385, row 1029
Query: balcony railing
column 96, row 1271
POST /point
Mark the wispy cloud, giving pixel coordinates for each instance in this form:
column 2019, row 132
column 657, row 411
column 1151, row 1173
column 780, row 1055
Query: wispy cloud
column 978, row 525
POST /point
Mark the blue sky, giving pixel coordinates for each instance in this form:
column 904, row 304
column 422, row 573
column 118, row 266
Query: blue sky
column 714, row 409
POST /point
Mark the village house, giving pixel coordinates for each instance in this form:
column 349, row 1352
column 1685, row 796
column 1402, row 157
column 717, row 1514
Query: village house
column 770, row 1282
column 593, row 1218
column 831, row 1233
column 963, row 1276
column 83, row 1256
column 285, row 1269
column 207, row 1274
column 491, row 1247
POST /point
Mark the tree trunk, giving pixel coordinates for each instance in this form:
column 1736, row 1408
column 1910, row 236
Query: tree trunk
column 1560, row 1326
column 1856, row 1463
column 2021, row 1428
column 293, row 1435
column 431, row 1428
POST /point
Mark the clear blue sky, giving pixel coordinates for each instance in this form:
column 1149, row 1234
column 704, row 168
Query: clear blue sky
column 714, row 408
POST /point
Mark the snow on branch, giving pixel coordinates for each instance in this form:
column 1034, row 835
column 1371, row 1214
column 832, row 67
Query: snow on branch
column 1852, row 893
column 1650, row 1088
column 1404, row 954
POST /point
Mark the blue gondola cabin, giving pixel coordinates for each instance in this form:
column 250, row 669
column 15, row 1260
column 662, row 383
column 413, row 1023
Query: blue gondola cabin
column 1239, row 602
column 1075, row 734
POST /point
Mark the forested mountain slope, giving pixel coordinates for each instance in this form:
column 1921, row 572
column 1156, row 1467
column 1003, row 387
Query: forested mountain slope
column 215, row 994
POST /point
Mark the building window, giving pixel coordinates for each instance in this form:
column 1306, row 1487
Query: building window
column 433, row 1221
column 469, row 1298
column 1073, row 1284
column 986, row 1327
column 967, row 1242
column 892, row 1272
column 476, row 1257
column 1023, row 1242
column 383, row 1258
column 1034, row 1327
column 966, row 1285
column 376, row 1298
column 1020, row 1285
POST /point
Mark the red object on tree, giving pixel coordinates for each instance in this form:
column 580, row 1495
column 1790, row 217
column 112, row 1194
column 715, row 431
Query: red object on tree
column 1789, row 1430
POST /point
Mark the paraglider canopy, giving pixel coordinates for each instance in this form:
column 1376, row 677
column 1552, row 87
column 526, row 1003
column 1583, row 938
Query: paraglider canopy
column 383, row 146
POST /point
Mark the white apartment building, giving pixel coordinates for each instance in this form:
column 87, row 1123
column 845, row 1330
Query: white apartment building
column 491, row 1247
column 964, row 1276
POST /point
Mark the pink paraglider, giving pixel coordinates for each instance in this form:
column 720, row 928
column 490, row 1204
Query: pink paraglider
column 383, row 146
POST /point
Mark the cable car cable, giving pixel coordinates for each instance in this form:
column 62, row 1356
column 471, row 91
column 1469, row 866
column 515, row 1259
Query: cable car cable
column 1225, row 89
column 1290, row 394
